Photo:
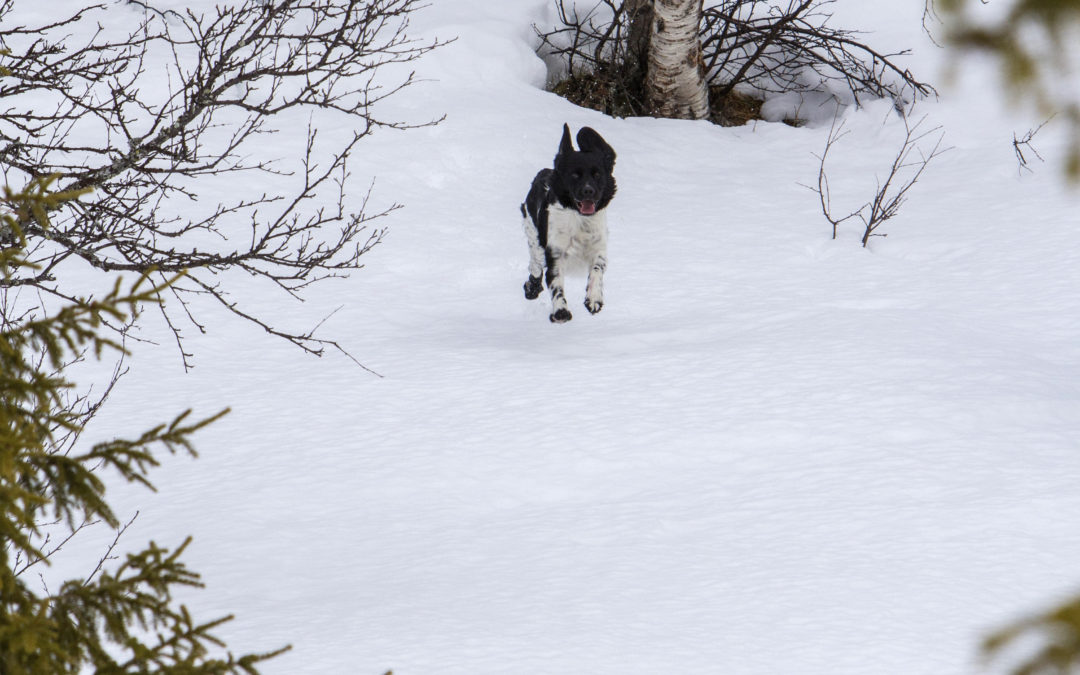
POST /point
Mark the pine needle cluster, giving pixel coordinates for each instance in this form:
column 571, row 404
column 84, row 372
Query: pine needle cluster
column 121, row 620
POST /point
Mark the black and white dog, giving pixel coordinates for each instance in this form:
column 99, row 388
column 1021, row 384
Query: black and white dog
column 565, row 218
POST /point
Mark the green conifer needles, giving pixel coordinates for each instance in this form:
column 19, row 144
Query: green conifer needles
column 122, row 620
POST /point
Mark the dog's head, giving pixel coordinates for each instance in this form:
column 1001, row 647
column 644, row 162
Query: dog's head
column 584, row 177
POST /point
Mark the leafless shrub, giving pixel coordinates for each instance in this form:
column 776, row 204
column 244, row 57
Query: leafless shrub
column 890, row 194
column 774, row 48
column 148, row 120
column 756, row 46
column 607, row 42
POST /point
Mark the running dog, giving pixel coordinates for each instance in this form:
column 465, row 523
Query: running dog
column 565, row 218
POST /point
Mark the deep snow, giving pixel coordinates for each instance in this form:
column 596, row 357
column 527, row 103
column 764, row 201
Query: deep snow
column 770, row 453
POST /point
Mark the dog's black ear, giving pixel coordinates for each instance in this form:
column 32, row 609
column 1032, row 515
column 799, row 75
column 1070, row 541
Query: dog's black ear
column 566, row 146
column 590, row 141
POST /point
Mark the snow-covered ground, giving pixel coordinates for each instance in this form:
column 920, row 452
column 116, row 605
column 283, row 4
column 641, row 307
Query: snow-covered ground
column 771, row 453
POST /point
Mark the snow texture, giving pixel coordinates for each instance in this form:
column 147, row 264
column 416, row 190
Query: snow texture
column 772, row 452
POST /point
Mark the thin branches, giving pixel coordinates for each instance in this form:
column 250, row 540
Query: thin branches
column 149, row 118
column 122, row 616
column 836, row 132
column 772, row 48
column 920, row 146
column 754, row 47
column 1024, row 146
column 1034, row 44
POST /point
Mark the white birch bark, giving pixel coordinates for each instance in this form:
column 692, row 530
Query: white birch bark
column 676, row 79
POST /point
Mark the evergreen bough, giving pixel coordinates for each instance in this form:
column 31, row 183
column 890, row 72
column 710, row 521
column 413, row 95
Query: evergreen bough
column 121, row 620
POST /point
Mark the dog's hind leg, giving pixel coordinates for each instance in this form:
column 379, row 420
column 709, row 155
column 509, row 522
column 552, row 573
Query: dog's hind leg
column 533, row 285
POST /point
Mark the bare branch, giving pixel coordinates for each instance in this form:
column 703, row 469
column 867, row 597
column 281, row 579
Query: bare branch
column 108, row 554
column 752, row 46
column 83, row 110
column 1024, row 144
column 907, row 166
column 836, row 132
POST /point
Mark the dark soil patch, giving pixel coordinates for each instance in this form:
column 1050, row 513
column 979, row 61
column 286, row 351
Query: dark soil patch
column 609, row 91
column 733, row 109
column 604, row 91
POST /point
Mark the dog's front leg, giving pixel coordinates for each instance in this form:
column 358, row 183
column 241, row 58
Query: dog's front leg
column 594, row 288
column 554, row 256
column 596, row 249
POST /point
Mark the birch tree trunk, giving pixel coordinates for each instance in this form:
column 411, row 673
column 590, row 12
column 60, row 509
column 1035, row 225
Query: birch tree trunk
column 675, row 84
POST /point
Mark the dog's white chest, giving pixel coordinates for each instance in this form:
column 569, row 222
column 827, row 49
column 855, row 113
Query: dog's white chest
column 581, row 236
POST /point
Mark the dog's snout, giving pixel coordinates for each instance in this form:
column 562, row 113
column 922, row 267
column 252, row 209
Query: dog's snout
column 588, row 191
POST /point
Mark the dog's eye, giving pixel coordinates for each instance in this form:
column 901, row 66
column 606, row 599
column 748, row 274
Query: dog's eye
column 596, row 174
column 575, row 175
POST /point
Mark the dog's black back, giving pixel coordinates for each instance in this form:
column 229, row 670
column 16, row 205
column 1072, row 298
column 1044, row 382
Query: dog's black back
column 581, row 180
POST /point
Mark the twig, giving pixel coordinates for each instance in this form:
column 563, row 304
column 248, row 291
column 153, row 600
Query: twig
column 108, row 552
column 1019, row 144
column 890, row 194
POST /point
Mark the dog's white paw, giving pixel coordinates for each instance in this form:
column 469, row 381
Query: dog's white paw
column 593, row 306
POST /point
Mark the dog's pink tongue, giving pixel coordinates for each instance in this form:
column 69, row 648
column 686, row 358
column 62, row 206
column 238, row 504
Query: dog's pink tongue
column 587, row 208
